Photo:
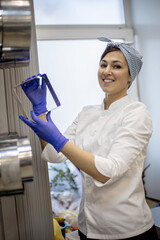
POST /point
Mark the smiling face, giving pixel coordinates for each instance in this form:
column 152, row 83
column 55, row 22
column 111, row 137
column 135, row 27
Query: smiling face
column 113, row 75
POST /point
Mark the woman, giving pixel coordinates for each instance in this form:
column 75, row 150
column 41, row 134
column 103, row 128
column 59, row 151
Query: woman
column 108, row 143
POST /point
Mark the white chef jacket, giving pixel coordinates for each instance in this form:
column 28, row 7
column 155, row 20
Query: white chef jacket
column 118, row 138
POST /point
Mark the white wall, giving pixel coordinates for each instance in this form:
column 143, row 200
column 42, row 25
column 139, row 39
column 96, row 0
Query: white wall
column 146, row 23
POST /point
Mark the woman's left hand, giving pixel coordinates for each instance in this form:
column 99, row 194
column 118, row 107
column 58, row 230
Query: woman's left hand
column 36, row 93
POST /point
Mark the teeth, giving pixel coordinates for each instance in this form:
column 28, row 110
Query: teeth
column 107, row 81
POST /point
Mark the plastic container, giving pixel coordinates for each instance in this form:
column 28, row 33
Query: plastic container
column 63, row 228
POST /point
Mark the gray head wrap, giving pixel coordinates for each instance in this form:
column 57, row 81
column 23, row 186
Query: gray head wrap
column 132, row 56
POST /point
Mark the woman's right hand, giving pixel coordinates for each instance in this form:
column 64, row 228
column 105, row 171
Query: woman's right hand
column 46, row 130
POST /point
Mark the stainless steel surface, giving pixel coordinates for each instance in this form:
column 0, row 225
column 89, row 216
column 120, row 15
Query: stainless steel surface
column 15, row 163
column 15, row 33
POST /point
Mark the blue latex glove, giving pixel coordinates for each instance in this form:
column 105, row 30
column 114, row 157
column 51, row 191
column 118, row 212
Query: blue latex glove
column 46, row 130
column 36, row 93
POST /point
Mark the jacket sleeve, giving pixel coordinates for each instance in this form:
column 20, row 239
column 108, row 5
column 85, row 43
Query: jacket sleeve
column 130, row 144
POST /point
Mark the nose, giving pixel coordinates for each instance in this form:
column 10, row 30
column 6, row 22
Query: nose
column 107, row 70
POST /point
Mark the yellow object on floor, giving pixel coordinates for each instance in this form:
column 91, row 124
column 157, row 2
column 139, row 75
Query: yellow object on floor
column 57, row 230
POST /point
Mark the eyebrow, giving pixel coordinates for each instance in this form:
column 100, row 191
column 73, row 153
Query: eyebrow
column 114, row 61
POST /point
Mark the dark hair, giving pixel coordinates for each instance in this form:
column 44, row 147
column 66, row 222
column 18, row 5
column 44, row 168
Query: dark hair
column 108, row 50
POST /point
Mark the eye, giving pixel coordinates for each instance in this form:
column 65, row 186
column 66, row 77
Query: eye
column 117, row 66
column 103, row 65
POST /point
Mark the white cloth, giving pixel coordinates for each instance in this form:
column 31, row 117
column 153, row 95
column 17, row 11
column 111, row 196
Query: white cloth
column 118, row 138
